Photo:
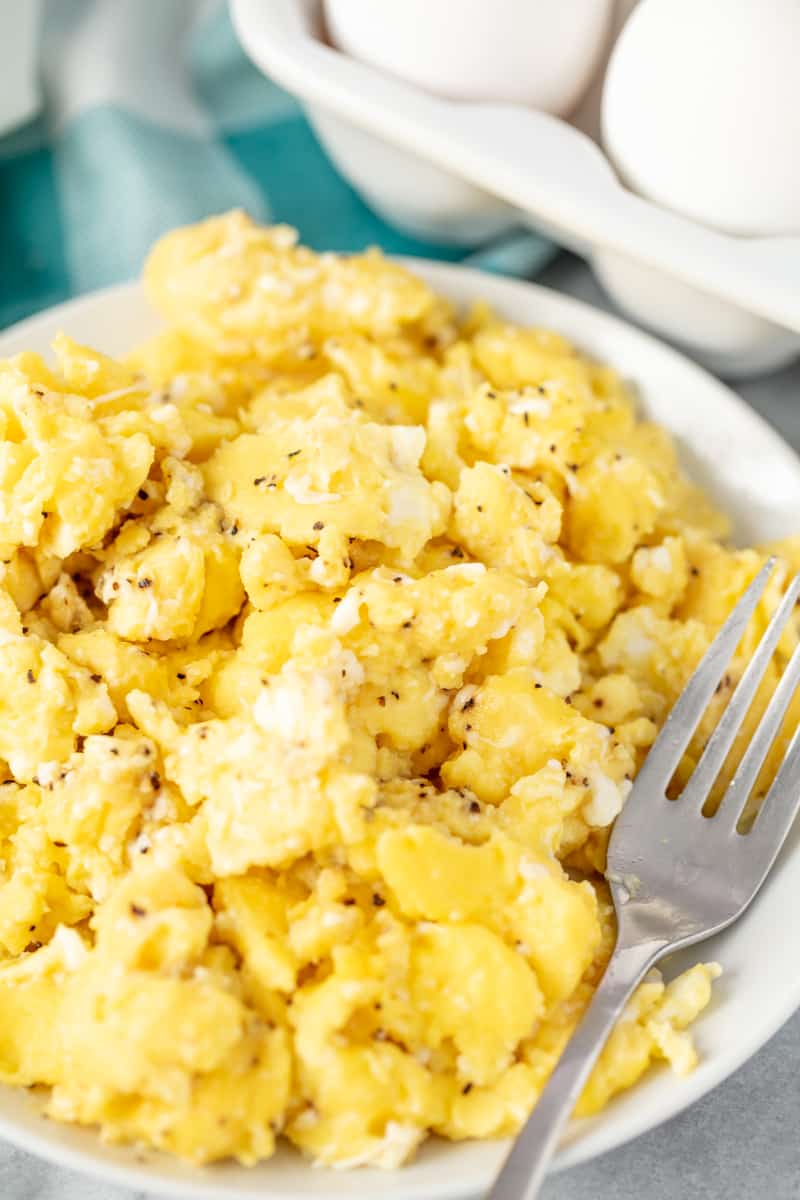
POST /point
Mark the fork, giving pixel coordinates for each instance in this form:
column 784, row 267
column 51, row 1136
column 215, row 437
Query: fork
column 677, row 876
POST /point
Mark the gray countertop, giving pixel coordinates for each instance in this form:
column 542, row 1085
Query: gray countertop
column 739, row 1143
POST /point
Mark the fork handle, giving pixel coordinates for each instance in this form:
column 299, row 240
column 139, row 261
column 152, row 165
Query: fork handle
column 524, row 1170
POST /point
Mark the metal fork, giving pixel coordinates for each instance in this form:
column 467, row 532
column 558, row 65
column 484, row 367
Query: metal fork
column 677, row 876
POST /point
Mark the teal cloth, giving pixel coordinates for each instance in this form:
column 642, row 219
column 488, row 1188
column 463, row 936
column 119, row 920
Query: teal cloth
column 83, row 196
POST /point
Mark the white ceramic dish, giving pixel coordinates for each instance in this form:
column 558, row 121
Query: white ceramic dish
column 750, row 470
column 464, row 172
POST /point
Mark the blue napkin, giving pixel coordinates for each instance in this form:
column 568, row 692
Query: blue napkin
column 151, row 116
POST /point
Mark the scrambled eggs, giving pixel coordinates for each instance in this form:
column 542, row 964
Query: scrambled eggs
column 333, row 629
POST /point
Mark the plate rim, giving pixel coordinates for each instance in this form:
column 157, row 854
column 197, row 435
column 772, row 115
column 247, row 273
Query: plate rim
column 447, row 277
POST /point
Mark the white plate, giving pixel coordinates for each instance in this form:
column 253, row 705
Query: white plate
column 749, row 469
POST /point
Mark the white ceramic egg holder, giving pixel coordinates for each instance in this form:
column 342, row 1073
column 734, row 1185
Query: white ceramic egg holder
column 465, row 172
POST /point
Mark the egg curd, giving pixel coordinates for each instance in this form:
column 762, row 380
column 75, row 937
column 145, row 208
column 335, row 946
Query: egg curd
column 333, row 629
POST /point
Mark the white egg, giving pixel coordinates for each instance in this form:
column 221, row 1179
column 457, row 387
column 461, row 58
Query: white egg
column 701, row 111
column 542, row 53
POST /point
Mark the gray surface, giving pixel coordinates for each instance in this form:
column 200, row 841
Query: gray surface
column 739, row 1143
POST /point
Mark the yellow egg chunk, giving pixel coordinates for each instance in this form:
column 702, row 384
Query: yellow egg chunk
column 96, row 800
column 392, row 386
column 613, row 507
column 269, row 571
column 437, row 879
column 35, row 898
column 334, row 628
column 242, row 287
column 661, row 571
column 252, row 915
column 46, row 704
column 64, row 475
column 181, row 584
column 273, row 787
column 20, row 577
column 488, row 499
column 556, row 922
column 122, row 666
column 471, row 988
column 331, row 476
column 650, row 1030
column 590, row 594
column 511, row 727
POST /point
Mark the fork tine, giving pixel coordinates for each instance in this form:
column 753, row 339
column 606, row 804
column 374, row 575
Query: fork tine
column 779, row 808
column 666, row 752
column 723, row 737
column 753, row 758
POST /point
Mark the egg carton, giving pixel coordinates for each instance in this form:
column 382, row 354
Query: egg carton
column 466, row 171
